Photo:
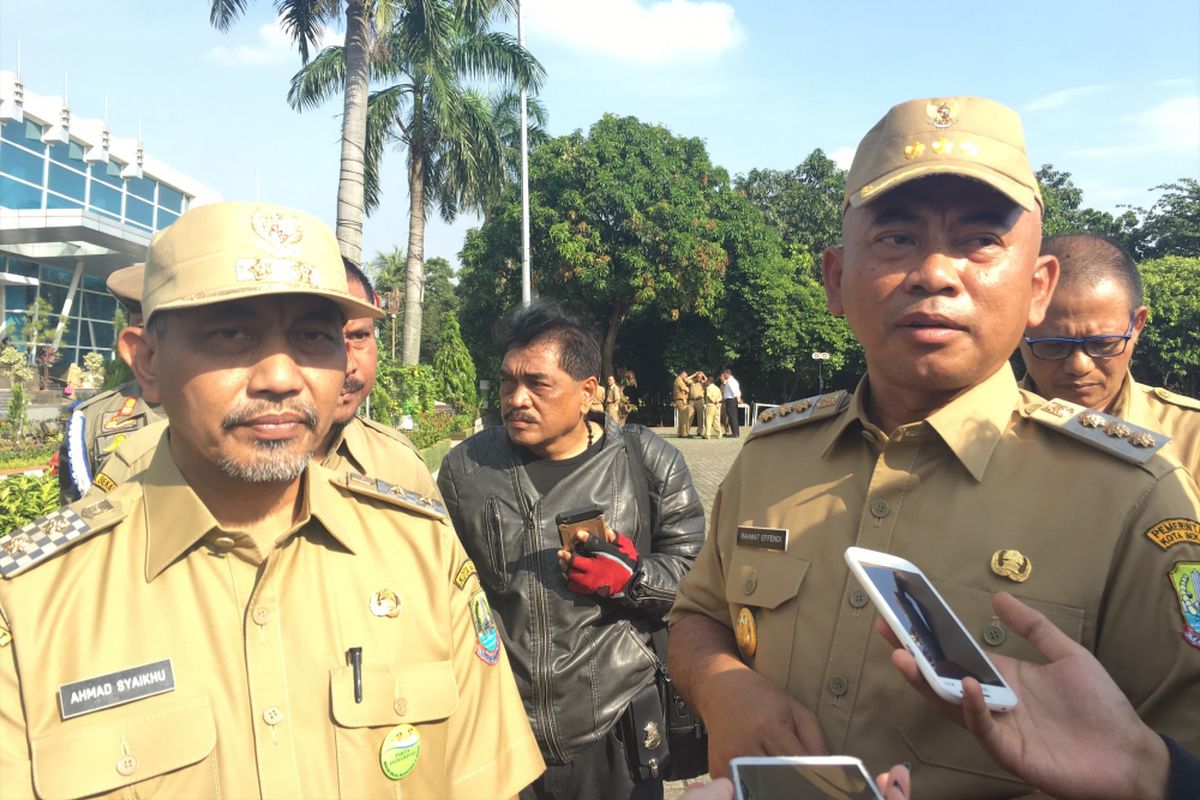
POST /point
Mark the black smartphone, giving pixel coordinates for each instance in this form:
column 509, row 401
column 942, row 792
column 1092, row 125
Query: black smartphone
column 589, row 520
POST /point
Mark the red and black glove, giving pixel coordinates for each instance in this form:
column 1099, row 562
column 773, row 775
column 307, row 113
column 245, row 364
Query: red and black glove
column 602, row 568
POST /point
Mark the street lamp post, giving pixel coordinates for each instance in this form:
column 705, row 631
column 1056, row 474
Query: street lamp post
column 526, row 278
column 820, row 358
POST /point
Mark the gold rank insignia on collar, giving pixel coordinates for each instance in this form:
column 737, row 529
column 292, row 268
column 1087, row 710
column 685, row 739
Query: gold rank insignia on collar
column 791, row 414
column 37, row 541
column 1111, row 434
column 425, row 504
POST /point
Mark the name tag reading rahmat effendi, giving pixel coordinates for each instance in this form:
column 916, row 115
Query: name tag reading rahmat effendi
column 115, row 688
column 762, row 538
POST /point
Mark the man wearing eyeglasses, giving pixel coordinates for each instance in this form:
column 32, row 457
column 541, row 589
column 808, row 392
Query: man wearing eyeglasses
column 1081, row 351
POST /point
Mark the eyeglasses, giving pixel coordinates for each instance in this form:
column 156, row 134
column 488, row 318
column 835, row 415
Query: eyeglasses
column 1059, row 348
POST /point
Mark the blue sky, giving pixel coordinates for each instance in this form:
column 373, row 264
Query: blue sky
column 1109, row 91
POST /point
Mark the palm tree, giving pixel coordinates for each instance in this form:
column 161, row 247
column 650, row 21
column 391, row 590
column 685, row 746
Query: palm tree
column 456, row 154
column 302, row 20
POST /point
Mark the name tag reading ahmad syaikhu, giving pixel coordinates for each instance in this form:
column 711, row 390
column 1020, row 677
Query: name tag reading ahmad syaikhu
column 762, row 538
column 115, row 688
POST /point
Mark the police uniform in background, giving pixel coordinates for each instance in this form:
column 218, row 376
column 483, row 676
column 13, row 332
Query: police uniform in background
column 679, row 398
column 696, row 401
column 363, row 650
column 712, row 411
column 613, row 398
column 999, row 489
column 97, row 426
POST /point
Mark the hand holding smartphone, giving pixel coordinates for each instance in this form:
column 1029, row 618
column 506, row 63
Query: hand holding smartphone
column 944, row 650
column 585, row 520
column 802, row 778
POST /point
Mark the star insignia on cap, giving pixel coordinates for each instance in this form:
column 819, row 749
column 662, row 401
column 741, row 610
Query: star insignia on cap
column 942, row 146
column 968, row 148
column 914, row 150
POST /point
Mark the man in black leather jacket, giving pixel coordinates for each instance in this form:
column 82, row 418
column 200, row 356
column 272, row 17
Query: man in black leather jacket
column 576, row 623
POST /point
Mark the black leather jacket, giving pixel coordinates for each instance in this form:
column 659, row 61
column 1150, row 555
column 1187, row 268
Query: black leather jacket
column 578, row 659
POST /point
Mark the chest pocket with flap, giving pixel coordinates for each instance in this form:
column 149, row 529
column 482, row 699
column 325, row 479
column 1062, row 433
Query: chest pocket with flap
column 422, row 694
column 160, row 750
column 768, row 584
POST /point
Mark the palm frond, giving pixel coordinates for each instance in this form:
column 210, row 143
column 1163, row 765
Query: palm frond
column 499, row 55
column 301, row 21
column 384, row 111
column 223, row 13
column 319, row 79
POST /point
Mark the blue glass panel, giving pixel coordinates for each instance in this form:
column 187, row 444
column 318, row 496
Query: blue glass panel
column 54, row 201
column 18, row 195
column 108, row 172
column 18, row 267
column 170, row 198
column 71, row 337
column 18, row 298
column 70, row 154
column 142, row 187
column 106, row 198
column 139, row 211
column 28, row 133
column 55, row 275
column 165, row 218
column 21, row 164
column 85, row 334
column 67, row 181
column 104, row 336
column 95, row 283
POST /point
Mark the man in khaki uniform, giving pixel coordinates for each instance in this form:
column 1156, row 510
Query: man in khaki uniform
column 940, row 458
column 100, row 424
column 267, row 627
column 1081, row 351
column 712, row 410
column 354, row 443
column 679, row 398
column 613, row 398
column 696, row 401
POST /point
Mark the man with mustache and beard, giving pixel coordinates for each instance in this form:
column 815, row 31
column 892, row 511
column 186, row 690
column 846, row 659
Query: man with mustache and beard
column 354, row 442
column 577, row 622
column 940, row 458
column 237, row 620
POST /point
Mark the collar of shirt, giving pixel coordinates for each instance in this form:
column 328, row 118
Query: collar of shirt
column 1123, row 404
column 971, row 425
column 176, row 518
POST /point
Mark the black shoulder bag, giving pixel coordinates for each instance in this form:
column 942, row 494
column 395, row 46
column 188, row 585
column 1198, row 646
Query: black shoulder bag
column 682, row 752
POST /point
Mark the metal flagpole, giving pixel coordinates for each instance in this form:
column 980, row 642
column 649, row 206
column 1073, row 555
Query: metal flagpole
column 526, row 284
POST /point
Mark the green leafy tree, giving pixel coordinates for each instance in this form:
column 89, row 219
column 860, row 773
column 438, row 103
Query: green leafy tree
column 453, row 369
column 1065, row 212
column 1168, row 353
column 389, row 271
column 1171, row 227
column 454, row 151
column 24, row 498
column 303, row 21
column 15, row 366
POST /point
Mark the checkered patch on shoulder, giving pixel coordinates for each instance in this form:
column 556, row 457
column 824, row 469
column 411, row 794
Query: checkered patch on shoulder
column 37, row 541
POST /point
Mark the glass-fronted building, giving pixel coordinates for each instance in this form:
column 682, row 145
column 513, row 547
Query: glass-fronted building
column 75, row 205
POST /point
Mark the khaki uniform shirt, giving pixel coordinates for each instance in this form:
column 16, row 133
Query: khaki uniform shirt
column 712, row 395
column 250, row 652
column 679, row 392
column 613, row 397
column 362, row 446
column 976, row 477
column 96, row 428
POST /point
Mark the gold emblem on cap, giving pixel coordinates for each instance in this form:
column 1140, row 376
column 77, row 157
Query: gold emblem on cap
column 278, row 232
column 969, row 148
column 1012, row 565
column 747, row 633
column 1118, row 430
column 942, row 146
column 1142, row 439
column 1090, row 419
column 1058, row 409
column 914, row 150
column 385, row 603
column 942, row 113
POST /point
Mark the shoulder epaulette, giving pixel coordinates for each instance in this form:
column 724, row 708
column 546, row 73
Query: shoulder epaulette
column 797, row 412
column 391, row 433
column 1113, row 435
column 1176, row 399
column 427, row 504
column 43, row 538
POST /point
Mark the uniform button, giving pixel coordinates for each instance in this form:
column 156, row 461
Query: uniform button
column 400, row 706
column 994, row 635
column 858, row 598
column 880, row 509
column 224, row 542
column 261, row 615
column 272, row 715
column 838, row 686
column 750, row 585
column 127, row 765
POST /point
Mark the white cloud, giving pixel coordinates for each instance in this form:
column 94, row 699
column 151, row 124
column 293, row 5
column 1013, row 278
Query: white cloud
column 272, row 46
column 843, row 157
column 1063, row 96
column 655, row 32
column 1171, row 127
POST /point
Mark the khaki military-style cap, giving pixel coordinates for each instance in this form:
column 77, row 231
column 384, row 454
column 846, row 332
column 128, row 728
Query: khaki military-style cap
column 968, row 136
column 231, row 251
column 125, row 284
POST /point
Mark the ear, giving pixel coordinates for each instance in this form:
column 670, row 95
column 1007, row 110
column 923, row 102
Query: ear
column 589, row 391
column 831, row 273
column 1042, row 282
column 1139, row 321
column 138, row 347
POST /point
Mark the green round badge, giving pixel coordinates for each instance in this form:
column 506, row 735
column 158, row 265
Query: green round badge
column 398, row 754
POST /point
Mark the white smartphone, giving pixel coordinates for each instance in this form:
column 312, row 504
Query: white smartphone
column 802, row 778
column 924, row 623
